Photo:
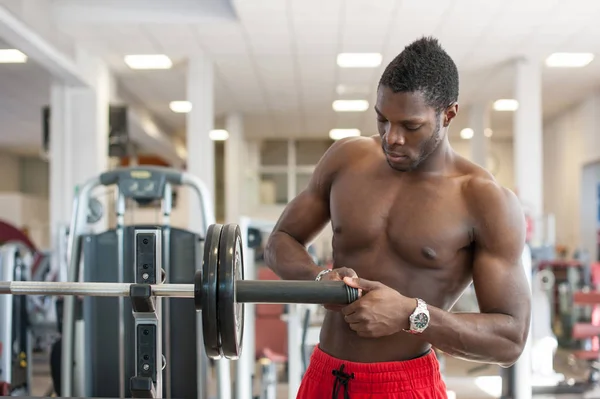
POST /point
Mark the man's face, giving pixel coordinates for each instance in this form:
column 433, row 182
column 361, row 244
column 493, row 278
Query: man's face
column 410, row 129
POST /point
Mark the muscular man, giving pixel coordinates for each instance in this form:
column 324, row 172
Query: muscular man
column 414, row 223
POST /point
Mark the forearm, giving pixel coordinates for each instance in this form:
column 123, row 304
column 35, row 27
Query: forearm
column 483, row 337
column 289, row 259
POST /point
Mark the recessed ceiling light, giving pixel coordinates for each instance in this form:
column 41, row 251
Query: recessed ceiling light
column 338, row 134
column 350, row 105
column 359, row 60
column 506, row 105
column 487, row 132
column 218, row 135
column 180, row 107
column 569, row 60
column 12, row 56
column 467, row 133
column 148, row 61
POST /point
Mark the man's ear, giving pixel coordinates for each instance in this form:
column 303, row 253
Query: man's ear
column 450, row 114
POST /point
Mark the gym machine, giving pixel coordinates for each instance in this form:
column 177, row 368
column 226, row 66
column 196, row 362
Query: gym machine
column 534, row 374
column 99, row 335
column 219, row 292
column 15, row 335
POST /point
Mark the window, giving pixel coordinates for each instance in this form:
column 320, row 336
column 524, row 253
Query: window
column 279, row 158
column 273, row 188
column 274, row 153
column 309, row 152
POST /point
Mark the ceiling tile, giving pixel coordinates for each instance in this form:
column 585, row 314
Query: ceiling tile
column 277, row 62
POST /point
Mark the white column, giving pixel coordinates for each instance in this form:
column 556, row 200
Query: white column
column 201, row 163
column 200, row 121
column 294, row 323
column 251, row 177
column 61, row 185
column 291, row 167
column 78, row 144
column 78, row 152
column 234, row 173
column 528, row 149
column 528, row 140
column 479, row 121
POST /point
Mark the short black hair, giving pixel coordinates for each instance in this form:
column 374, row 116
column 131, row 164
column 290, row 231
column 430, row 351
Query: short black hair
column 424, row 66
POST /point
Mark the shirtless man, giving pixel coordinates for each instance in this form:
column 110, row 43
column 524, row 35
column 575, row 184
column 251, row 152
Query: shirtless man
column 414, row 224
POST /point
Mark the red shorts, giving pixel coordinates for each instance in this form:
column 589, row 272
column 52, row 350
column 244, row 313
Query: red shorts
column 331, row 378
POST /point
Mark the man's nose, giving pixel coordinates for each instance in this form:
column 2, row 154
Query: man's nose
column 394, row 137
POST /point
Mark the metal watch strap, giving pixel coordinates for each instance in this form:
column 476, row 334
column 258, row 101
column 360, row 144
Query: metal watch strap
column 420, row 308
column 322, row 273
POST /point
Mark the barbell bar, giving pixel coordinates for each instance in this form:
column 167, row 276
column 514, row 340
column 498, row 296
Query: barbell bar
column 219, row 290
column 91, row 289
column 247, row 291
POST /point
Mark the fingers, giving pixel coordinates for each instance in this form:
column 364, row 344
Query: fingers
column 346, row 272
column 331, row 276
column 363, row 284
column 353, row 318
column 339, row 274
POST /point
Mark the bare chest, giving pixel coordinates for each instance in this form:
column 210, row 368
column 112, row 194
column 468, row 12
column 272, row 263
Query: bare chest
column 422, row 225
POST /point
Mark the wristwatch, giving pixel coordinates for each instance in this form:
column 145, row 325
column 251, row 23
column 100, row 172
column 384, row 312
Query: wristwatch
column 419, row 319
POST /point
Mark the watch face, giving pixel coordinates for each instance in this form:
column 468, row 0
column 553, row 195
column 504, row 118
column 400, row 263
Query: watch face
column 421, row 321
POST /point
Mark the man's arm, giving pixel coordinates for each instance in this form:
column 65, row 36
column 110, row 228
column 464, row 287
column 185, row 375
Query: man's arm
column 497, row 334
column 303, row 219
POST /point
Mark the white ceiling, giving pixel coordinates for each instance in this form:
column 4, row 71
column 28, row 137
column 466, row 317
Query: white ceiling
column 275, row 60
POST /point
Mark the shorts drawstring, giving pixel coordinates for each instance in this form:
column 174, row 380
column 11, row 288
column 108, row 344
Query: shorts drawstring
column 341, row 379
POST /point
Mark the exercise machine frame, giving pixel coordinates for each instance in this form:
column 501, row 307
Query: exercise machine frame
column 15, row 321
column 142, row 184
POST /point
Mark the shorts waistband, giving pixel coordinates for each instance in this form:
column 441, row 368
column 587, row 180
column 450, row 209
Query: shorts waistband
column 398, row 376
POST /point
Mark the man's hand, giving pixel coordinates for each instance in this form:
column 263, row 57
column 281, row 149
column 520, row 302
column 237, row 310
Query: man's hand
column 380, row 311
column 338, row 275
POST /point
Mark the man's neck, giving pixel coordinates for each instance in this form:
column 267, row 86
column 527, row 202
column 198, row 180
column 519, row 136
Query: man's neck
column 438, row 161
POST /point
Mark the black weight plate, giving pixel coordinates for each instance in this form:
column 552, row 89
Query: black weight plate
column 210, row 264
column 231, row 313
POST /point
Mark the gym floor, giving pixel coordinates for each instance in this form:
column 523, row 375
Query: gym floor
column 459, row 378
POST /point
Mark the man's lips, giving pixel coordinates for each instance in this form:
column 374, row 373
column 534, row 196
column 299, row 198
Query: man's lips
column 396, row 157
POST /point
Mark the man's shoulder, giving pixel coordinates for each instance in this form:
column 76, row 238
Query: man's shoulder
column 354, row 145
column 488, row 200
column 339, row 156
column 349, row 150
column 496, row 216
column 480, row 187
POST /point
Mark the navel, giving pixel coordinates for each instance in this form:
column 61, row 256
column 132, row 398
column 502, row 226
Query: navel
column 429, row 253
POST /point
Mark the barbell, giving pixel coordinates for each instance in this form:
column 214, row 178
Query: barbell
column 219, row 290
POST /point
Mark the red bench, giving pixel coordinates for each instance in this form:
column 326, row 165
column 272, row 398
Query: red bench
column 271, row 331
column 586, row 298
column 585, row 330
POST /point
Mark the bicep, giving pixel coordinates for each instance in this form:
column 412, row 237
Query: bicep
column 499, row 278
column 305, row 216
column 501, row 284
